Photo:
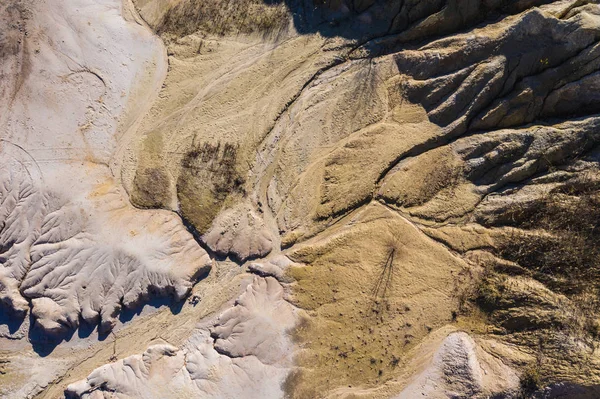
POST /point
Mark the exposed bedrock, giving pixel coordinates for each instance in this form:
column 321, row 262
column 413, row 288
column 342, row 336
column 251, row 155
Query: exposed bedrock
column 250, row 356
column 418, row 100
column 393, row 171
column 485, row 163
column 84, row 258
column 387, row 21
column 477, row 81
column 460, row 368
column 23, row 207
column 343, row 107
column 72, row 247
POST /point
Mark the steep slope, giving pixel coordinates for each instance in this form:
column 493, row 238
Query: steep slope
column 74, row 252
column 401, row 195
column 436, row 110
column 245, row 355
column 79, row 249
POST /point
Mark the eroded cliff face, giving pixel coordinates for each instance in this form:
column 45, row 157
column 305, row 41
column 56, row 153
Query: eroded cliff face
column 401, row 195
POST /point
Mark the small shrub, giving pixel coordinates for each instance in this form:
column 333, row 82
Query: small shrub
column 530, row 381
column 489, row 291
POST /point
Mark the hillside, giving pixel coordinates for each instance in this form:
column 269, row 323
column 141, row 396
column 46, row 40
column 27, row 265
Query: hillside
column 300, row 199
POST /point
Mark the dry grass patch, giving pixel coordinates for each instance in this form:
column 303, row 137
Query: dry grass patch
column 209, row 177
column 223, row 17
column 559, row 237
column 556, row 241
column 373, row 287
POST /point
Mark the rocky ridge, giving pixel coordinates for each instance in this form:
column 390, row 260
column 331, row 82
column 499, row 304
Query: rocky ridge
column 415, row 183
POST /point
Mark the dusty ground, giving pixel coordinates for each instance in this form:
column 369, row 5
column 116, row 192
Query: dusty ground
column 414, row 183
column 369, row 302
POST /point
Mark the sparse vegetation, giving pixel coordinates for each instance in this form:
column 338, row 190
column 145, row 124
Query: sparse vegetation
column 530, row 381
column 361, row 325
column 222, row 17
column 556, row 241
column 151, row 188
column 424, row 178
column 209, row 176
column 489, row 291
column 559, row 237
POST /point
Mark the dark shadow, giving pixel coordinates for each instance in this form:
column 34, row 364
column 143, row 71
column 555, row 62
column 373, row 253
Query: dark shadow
column 334, row 18
column 568, row 390
column 85, row 329
column 385, row 277
column 43, row 343
column 127, row 315
column 393, row 21
column 396, row 22
column 198, row 238
column 10, row 318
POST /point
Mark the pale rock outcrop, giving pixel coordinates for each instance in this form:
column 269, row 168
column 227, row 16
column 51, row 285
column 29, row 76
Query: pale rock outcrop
column 72, row 246
column 22, row 209
column 460, row 369
column 275, row 266
column 250, row 356
column 257, row 324
column 240, row 232
column 377, row 142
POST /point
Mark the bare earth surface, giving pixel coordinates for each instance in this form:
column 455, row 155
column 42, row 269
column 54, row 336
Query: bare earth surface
column 299, row 199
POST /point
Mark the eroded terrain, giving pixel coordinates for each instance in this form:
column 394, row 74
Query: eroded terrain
column 379, row 199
